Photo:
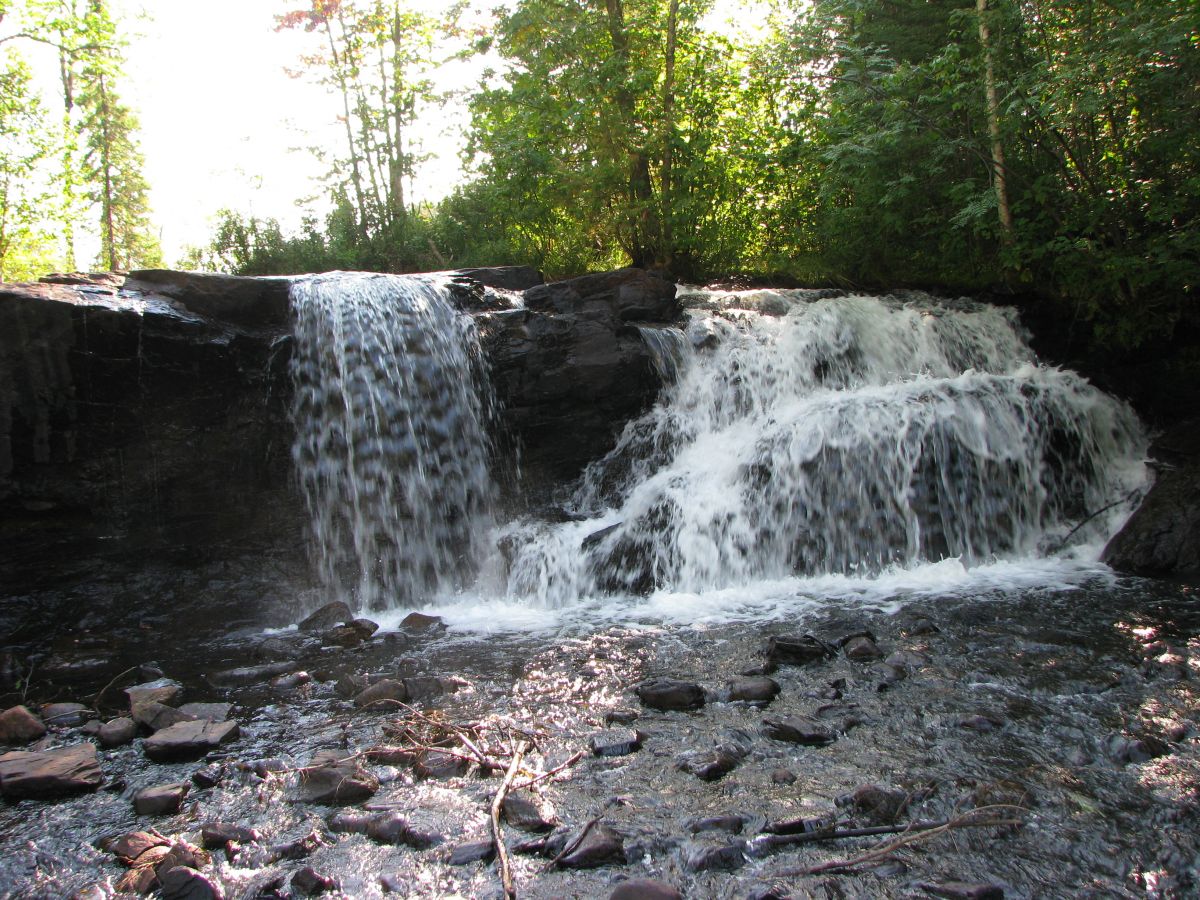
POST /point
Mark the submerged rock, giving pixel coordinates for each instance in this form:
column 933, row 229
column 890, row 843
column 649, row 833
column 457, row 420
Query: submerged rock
column 668, row 694
column 644, row 889
column 185, row 883
column 476, row 851
column 799, row 730
column 334, row 781
column 757, row 690
column 49, row 774
column 163, row 799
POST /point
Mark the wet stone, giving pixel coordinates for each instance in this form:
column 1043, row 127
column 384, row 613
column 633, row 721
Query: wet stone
column 218, row 835
column 667, row 694
column 420, row 622
column 184, row 883
column 189, row 740
column 423, row 688
column 160, row 800
column 757, row 690
column 66, row 715
column 156, row 716
column 394, row 829
column 336, row 784
column 50, row 773
column 709, row 765
column 440, row 765
column 162, row 690
column 616, row 742
column 723, row 858
column 798, row 651
column 476, row 851
column 907, row 660
column 961, row 890
column 299, row 848
column 383, row 695
column 308, row 882
column 600, row 846
column 726, row 824
column 878, row 804
column 244, row 675
column 128, row 847
column 19, row 726
column 290, row 681
column 391, row 756
column 521, row 812
column 799, row 730
column 207, row 712
column 327, row 617
column 862, row 649
column 622, row 715
column 117, row 732
column 344, row 636
column 349, row 822
column 644, row 889
column 783, row 776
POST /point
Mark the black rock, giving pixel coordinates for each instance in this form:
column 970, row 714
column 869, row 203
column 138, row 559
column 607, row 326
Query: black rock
column 184, row 883
column 477, row 851
column 336, row 783
column 725, row 857
column 756, row 690
column 961, row 890
column 327, row 617
column 218, row 835
column 616, row 742
column 862, row 648
column 799, row 730
column 798, row 651
column 622, row 715
column 644, row 889
column 309, row 882
column 668, row 694
column 600, row 846
column 393, row 828
column 523, row 813
column 709, row 765
column 727, row 824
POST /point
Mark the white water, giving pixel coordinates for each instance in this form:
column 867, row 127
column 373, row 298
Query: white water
column 806, row 450
column 391, row 436
column 854, row 447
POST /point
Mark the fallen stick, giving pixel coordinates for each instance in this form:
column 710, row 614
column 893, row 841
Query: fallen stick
column 542, row 776
column 510, row 891
column 915, row 831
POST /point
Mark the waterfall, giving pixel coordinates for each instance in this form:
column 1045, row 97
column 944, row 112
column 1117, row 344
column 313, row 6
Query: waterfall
column 391, row 443
column 804, row 434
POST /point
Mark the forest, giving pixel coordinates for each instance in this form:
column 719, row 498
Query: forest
column 1048, row 148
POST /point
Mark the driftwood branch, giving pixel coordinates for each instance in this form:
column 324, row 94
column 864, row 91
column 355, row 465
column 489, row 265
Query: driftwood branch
column 981, row 817
column 542, row 776
column 510, row 891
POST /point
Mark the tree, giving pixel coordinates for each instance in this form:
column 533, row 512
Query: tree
column 27, row 246
column 376, row 57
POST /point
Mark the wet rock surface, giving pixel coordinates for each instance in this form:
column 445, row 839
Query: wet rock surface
column 1073, row 711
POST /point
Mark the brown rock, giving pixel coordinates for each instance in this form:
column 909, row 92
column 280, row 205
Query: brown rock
column 66, row 715
column 383, row 695
column 117, row 732
column 19, row 726
column 50, row 773
column 644, row 889
column 189, row 740
column 668, row 694
column 161, row 690
column 160, row 800
column 156, row 716
column 601, row 845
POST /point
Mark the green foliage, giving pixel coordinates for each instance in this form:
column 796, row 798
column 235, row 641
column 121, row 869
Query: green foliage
column 27, row 244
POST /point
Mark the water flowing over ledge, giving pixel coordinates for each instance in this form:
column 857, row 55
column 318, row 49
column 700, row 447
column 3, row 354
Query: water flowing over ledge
column 391, row 448
column 809, row 436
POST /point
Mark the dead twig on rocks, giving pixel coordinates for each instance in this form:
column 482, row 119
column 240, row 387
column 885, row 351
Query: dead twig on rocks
column 909, row 834
column 510, row 891
column 542, row 776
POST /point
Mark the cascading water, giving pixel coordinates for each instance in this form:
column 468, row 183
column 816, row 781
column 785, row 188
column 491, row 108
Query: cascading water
column 391, row 439
column 805, row 435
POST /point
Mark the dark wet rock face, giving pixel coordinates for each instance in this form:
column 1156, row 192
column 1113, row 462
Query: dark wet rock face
column 1163, row 536
column 189, row 740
